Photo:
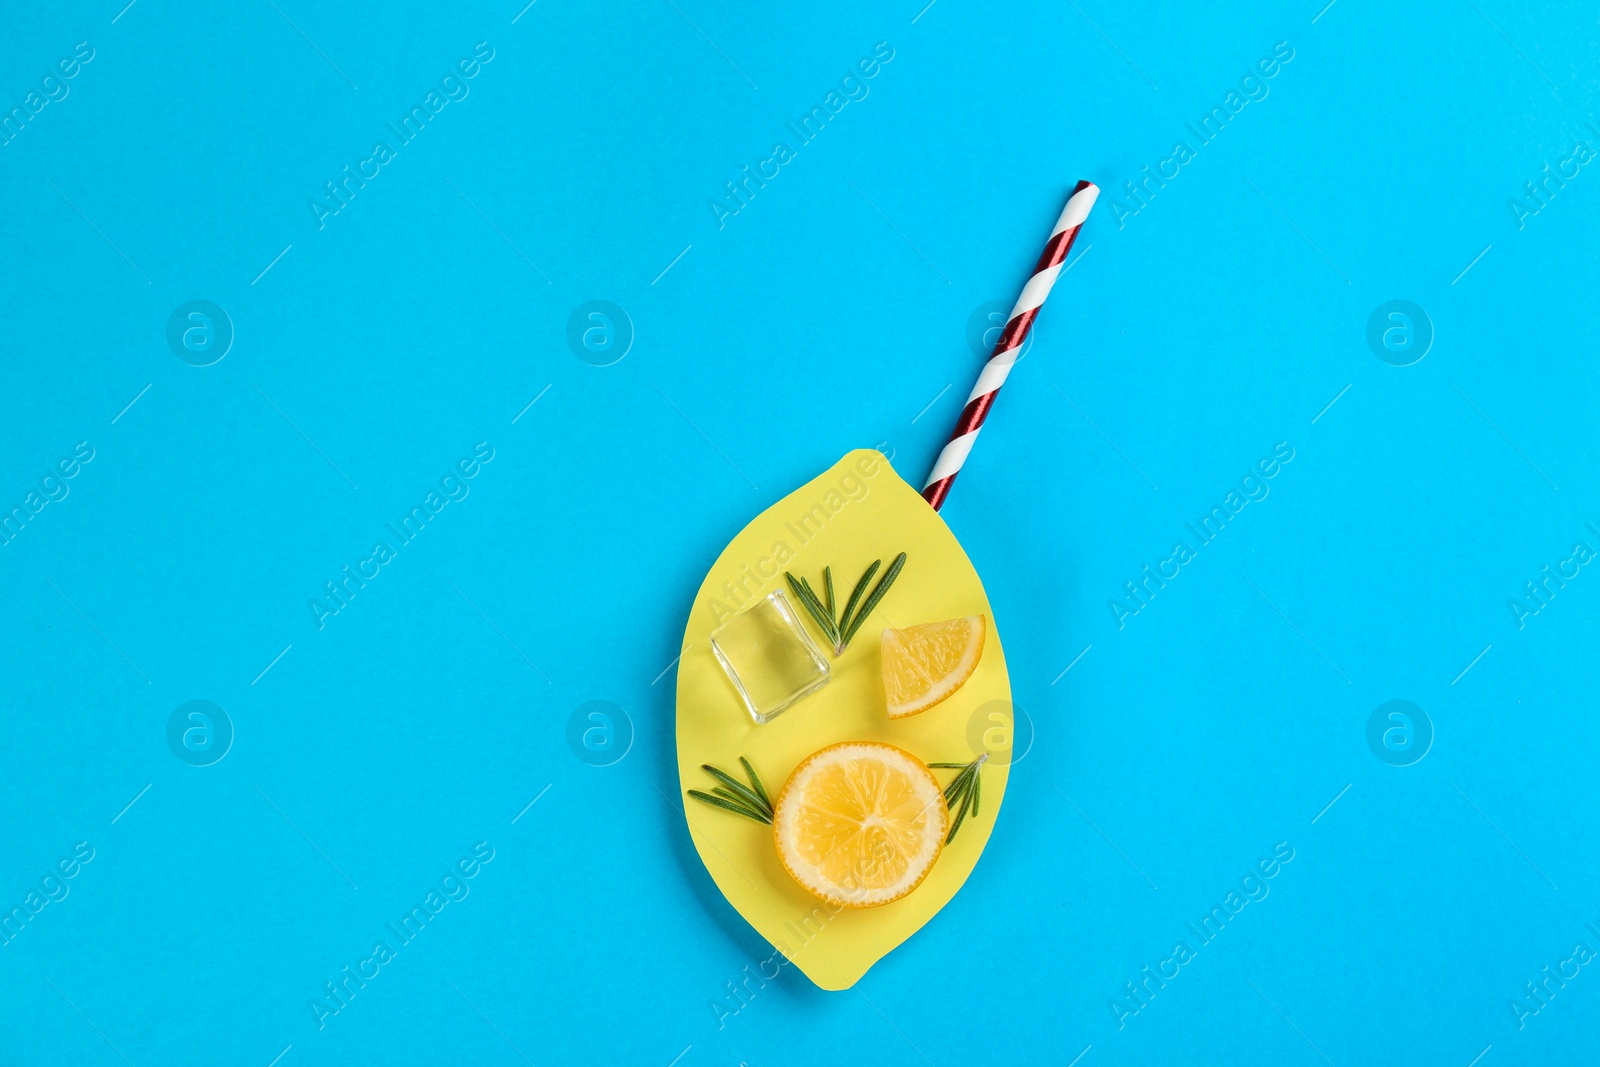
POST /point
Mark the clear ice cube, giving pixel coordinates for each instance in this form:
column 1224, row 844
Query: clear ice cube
column 769, row 657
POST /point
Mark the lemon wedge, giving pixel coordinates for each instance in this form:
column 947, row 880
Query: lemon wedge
column 923, row 665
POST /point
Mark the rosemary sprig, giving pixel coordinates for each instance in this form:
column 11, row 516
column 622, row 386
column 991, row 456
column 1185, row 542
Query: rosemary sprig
column 839, row 630
column 750, row 801
column 727, row 804
column 740, row 792
column 964, row 789
column 808, row 600
column 877, row 594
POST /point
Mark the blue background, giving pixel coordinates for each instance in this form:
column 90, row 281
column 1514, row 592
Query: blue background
column 830, row 312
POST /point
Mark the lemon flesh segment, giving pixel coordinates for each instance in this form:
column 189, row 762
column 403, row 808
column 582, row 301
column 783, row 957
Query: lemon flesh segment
column 860, row 823
column 923, row 665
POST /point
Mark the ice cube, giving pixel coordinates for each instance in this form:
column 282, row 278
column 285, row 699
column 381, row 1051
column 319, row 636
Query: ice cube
column 770, row 658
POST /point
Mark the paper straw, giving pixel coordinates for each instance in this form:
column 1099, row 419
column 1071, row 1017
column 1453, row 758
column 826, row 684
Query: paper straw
column 1007, row 349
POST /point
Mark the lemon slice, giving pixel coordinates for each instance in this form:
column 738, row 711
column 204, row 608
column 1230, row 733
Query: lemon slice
column 923, row 665
column 860, row 823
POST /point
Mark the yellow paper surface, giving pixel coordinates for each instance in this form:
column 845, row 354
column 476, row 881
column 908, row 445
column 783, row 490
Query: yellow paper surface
column 857, row 511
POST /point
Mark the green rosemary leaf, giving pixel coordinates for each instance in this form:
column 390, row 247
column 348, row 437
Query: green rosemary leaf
column 877, row 594
column 827, row 581
column 809, row 601
column 964, row 792
column 799, row 591
column 814, row 606
column 755, row 782
column 958, row 785
column 718, row 802
column 816, row 602
column 855, row 597
column 743, row 791
column 960, row 815
column 830, row 628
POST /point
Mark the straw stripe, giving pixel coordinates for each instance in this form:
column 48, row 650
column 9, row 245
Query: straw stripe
column 994, row 372
column 1076, row 211
column 952, row 457
column 1007, row 348
column 1036, row 290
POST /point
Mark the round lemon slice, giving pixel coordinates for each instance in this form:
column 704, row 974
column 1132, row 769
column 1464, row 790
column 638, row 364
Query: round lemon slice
column 923, row 665
column 860, row 823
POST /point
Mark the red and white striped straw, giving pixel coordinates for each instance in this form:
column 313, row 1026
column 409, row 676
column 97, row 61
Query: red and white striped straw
column 1007, row 349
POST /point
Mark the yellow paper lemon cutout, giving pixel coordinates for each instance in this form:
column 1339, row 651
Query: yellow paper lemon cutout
column 857, row 511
